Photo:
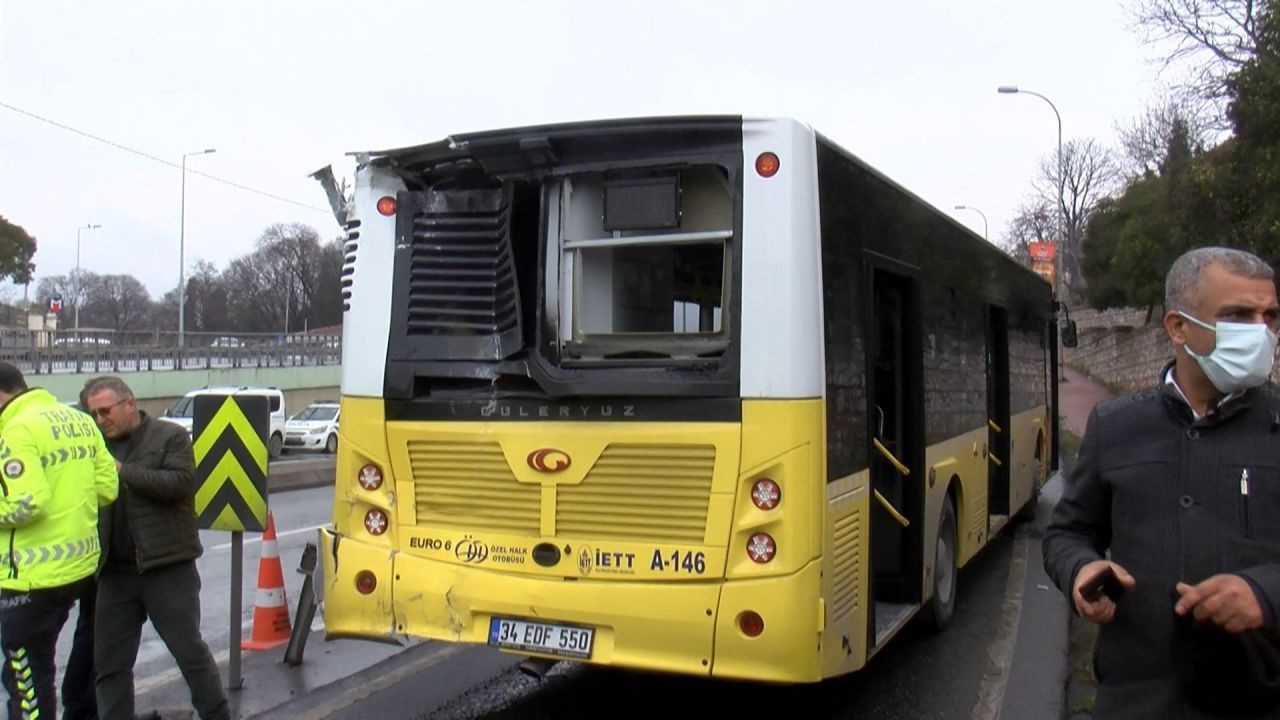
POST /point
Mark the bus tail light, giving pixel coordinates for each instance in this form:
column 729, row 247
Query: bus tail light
column 766, row 494
column 387, row 205
column 767, row 164
column 375, row 521
column 761, row 548
column 370, row 477
column 750, row 623
column 366, row 582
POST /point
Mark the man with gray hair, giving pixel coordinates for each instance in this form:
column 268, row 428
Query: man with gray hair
column 151, row 543
column 1168, row 531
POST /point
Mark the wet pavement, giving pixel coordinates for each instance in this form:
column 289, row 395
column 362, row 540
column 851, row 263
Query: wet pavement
column 1077, row 394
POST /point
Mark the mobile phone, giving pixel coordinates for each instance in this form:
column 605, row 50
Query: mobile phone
column 1102, row 583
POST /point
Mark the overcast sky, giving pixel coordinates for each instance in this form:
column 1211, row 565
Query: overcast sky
column 283, row 88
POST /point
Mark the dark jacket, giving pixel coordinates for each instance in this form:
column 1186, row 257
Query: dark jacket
column 1161, row 491
column 155, row 512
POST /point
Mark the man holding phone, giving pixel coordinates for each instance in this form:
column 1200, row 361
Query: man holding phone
column 1168, row 531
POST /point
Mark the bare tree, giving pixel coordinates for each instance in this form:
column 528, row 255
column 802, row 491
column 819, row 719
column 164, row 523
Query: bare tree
column 326, row 306
column 120, row 302
column 290, row 281
column 1147, row 139
column 1089, row 173
column 1033, row 221
column 1210, row 39
column 206, row 298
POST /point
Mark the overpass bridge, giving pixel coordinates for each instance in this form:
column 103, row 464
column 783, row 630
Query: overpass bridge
column 305, row 366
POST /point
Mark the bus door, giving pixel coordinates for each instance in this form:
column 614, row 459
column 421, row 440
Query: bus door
column 894, row 388
column 998, row 430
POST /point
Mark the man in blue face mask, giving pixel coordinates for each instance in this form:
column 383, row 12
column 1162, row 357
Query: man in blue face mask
column 1176, row 492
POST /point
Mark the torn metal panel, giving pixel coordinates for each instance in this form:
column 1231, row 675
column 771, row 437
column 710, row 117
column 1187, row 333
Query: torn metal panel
column 338, row 201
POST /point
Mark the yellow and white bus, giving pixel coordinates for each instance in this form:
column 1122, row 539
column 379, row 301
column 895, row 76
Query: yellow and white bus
column 705, row 395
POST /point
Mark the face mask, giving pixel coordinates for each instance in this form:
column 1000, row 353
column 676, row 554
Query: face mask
column 1242, row 356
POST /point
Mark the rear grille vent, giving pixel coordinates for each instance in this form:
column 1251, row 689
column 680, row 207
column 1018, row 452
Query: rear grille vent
column 349, row 247
column 648, row 493
column 462, row 276
column 844, row 561
column 470, row 487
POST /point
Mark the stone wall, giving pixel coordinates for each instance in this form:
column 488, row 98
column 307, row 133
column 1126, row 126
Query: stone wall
column 1122, row 356
column 1114, row 317
column 1116, row 347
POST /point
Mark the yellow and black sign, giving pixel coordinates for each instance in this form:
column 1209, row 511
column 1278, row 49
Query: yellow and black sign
column 231, row 461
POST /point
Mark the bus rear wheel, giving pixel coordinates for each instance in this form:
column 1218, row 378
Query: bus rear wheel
column 943, row 605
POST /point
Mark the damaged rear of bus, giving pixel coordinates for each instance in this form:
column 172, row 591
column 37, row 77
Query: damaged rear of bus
column 581, row 396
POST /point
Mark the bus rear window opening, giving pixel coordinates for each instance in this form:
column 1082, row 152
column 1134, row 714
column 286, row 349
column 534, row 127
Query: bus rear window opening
column 647, row 255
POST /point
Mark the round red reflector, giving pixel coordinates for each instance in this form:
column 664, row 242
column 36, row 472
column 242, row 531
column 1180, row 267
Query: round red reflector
column 387, row 205
column 760, row 547
column 366, row 582
column 767, row 164
column 375, row 521
column 370, row 477
column 750, row 623
column 765, row 493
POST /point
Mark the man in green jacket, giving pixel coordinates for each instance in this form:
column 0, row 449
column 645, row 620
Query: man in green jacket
column 152, row 545
column 54, row 473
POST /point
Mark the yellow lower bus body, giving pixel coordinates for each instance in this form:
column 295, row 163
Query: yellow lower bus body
column 670, row 627
column 660, row 588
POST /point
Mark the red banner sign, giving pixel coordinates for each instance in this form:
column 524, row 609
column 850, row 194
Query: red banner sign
column 1041, row 251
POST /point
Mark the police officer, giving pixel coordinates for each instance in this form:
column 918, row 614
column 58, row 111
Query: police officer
column 54, row 473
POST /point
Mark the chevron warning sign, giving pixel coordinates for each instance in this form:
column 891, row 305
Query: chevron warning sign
column 231, row 461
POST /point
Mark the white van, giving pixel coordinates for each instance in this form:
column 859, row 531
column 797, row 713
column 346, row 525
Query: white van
column 182, row 411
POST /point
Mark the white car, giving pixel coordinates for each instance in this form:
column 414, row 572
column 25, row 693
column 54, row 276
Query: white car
column 315, row 428
column 182, row 411
column 226, row 341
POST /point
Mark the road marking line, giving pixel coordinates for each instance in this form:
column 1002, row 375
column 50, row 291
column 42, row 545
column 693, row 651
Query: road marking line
column 258, row 538
column 223, row 656
column 995, row 680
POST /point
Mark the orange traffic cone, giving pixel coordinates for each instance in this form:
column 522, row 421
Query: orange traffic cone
column 270, row 607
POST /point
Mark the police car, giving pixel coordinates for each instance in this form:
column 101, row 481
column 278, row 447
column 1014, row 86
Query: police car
column 315, row 428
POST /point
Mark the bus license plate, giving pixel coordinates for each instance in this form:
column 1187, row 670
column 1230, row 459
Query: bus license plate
column 548, row 638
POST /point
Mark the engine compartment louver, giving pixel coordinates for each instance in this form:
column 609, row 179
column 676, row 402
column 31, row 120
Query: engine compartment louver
column 349, row 247
column 461, row 280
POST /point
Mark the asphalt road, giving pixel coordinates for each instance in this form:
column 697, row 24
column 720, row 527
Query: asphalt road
column 920, row 675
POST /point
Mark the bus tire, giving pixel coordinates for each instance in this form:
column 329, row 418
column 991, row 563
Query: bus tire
column 943, row 605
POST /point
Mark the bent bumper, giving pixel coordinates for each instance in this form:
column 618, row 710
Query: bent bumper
column 682, row 627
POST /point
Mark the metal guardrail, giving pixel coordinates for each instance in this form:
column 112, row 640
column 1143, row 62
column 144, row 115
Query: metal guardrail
column 51, row 351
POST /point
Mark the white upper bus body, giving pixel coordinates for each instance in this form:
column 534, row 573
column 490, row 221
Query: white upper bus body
column 781, row 285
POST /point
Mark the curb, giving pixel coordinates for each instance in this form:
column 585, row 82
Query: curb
column 307, row 474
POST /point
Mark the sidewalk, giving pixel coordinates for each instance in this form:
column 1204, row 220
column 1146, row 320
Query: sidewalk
column 1077, row 395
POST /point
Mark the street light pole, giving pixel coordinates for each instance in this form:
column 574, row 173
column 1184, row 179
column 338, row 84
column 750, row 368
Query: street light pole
column 984, row 219
column 1060, row 256
column 182, row 248
column 90, row 226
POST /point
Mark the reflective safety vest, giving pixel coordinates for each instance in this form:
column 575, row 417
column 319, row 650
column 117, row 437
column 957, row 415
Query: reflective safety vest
column 54, row 473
